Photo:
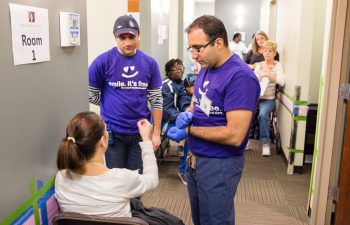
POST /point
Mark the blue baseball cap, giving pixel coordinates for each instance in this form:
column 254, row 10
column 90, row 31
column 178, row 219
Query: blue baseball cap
column 126, row 25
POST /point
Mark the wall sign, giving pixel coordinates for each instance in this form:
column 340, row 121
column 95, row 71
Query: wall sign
column 69, row 29
column 30, row 34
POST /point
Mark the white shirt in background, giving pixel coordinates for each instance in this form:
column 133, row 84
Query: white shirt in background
column 238, row 48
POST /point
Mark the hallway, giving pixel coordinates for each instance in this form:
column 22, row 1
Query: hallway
column 265, row 195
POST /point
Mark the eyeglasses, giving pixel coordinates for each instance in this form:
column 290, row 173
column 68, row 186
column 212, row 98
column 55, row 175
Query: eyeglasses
column 198, row 48
column 180, row 68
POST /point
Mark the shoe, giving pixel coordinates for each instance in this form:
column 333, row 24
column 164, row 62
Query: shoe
column 249, row 146
column 266, row 150
column 180, row 151
column 182, row 178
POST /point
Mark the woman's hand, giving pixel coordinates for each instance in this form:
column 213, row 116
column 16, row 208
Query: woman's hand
column 271, row 77
column 145, row 129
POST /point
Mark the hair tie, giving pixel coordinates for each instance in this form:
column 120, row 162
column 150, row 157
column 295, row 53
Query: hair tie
column 71, row 139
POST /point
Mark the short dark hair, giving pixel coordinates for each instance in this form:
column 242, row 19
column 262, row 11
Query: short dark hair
column 170, row 64
column 236, row 35
column 211, row 26
column 83, row 133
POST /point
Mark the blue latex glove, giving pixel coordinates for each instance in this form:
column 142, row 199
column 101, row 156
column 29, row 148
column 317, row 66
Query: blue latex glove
column 176, row 134
column 183, row 119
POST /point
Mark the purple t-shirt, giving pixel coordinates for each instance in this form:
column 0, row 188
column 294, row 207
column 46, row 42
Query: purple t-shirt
column 232, row 86
column 123, row 81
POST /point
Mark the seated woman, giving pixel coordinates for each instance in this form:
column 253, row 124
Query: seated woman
column 255, row 55
column 269, row 73
column 85, row 185
column 252, row 58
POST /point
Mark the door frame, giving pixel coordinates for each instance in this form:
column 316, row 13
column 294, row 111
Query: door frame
column 332, row 110
column 342, row 206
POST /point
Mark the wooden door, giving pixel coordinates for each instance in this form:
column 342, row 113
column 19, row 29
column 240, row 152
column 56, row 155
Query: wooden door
column 343, row 205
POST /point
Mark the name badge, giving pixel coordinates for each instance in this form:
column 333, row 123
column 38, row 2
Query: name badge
column 205, row 105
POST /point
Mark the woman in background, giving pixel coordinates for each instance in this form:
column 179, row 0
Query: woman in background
column 255, row 55
column 85, row 185
column 271, row 73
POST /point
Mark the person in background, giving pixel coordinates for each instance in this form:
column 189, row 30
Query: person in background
column 85, row 185
column 189, row 82
column 237, row 46
column 224, row 100
column 254, row 56
column 175, row 100
column 122, row 81
column 272, row 71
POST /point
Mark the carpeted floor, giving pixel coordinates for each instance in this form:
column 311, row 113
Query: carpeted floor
column 265, row 195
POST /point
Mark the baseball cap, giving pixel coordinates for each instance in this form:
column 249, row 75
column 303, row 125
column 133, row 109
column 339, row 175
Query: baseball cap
column 126, row 25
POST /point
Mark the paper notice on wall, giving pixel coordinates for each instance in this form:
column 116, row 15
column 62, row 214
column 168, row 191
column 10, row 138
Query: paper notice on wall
column 30, row 34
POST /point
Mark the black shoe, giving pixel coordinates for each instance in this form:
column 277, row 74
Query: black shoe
column 180, row 151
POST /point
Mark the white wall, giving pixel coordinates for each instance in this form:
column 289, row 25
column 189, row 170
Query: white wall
column 173, row 29
column 299, row 35
column 264, row 15
column 100, row 22
column 189, row 16
column 288, row 39
column 203, row 8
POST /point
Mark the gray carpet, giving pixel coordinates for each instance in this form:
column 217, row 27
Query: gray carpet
column 266, row 193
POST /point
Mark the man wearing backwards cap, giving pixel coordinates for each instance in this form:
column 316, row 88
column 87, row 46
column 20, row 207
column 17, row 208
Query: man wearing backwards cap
column 122, row 81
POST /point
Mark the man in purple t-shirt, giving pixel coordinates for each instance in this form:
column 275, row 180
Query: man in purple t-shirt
column 225, row 98
column 122, row 81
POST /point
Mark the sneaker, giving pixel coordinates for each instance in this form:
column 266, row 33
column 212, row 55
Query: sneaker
column 182, row 178
column 266, row 150
column 180, row 151
column 249, row 146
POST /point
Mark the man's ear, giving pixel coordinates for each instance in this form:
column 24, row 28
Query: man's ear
column 138, row 36
column 220, row 43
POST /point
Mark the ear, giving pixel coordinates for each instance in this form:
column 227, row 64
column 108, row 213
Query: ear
column 104, row 141
column 220, row 43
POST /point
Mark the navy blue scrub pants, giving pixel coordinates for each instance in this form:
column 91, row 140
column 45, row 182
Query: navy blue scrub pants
column 212, row 187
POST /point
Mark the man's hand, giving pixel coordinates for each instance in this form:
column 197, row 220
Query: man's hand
column 155, row 141
column 176, row 134
column 183, row 119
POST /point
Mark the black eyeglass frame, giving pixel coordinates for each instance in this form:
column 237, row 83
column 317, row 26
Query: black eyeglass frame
column 199, row 48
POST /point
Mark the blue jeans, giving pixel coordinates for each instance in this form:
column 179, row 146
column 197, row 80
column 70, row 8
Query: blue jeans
column 266, row 107
column 212, row 187
column 124, row 151
column 182, row 159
